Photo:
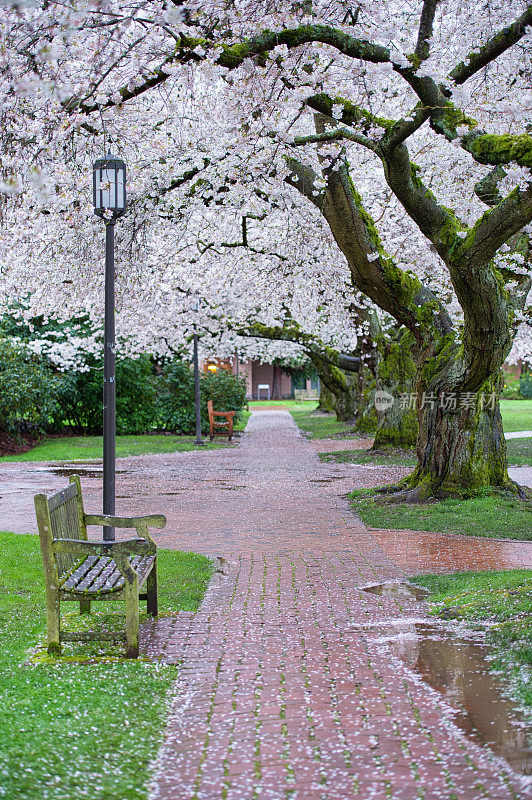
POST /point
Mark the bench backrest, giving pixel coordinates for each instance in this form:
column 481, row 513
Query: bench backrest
column 60, row 516
column 210, row 409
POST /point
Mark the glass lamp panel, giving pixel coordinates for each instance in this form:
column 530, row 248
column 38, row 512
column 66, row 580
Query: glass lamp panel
column 120, row 189
column 105, row 188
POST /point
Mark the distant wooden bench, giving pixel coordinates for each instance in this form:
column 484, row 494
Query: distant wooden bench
column 306, row 394
column 82, row 570
column 227, row 426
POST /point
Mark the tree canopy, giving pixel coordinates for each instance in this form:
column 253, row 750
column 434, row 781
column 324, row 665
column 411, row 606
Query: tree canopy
column 293, row 158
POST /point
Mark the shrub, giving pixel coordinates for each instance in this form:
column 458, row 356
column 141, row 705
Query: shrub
column 176, row 401
column 136, row 408
column 525, row 385
column 226, row 391
column 176, row 398
column 510, row 389
column 80, row 397
column 28, row 389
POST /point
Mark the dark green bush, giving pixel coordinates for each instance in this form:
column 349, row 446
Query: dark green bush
column 80, row 397
column 510, row 389
column 176, row 399
column 525, row 385
column 136, row 408
column 226, row 391
column 27, row 389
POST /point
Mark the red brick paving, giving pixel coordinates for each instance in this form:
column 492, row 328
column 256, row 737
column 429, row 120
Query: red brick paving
column 283, row 690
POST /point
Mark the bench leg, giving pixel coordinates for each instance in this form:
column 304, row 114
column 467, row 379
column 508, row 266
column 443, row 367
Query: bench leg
column 132, row 617
column 53, row 622
column 85, row 606
column 151, row 592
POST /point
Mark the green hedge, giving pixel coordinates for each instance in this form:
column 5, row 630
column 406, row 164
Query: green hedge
column 28, row 389
column 80, row 398
column 525, row 385
column 176, row 401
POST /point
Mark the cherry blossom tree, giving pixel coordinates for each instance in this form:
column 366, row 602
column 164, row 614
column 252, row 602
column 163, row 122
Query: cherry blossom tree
column 385, row 144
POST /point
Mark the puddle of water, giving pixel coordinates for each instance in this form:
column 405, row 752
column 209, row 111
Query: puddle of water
column 457, row 666
column 397, row 589
column 83, row 472
column 328, row 480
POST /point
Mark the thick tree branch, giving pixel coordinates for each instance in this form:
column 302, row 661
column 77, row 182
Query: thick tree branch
column 426, row 25
column 487, row 189
column 291, row 332
column 496, row 226
column 419, row 202
column 305, row 180
column 336, row 135
column 444, row 116
column 351, row 114
column 492, row 49
column 373, row 271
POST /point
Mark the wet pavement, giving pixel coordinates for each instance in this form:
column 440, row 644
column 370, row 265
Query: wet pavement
column 286, row 687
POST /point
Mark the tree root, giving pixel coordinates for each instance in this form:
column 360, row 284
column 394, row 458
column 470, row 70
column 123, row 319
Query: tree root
column 414, row 490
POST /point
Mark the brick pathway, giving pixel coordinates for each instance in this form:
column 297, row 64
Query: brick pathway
column 284, row 689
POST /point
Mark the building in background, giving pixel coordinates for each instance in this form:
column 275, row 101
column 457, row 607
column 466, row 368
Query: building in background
column 265, row 380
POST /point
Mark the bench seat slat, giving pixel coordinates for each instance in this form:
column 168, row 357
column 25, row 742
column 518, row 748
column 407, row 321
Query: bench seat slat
column 102, row 576
column 74, row 576
column 97, row 568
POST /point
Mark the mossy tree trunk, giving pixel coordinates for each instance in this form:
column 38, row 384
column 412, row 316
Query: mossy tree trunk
column 396, row 369
column 459, row 450
column 342, row 386
column 326, row 401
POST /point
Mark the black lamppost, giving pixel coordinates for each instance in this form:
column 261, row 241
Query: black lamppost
column 109, row 198
column 199, row 441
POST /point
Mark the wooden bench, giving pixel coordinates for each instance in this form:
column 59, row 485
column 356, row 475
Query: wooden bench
column 227, row 426
column 306, row 394
column 82, row 570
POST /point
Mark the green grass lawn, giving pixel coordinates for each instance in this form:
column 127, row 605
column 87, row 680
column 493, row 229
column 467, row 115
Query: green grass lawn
column 388, row 457
column 85, row 724
column 519, row 452
column 504, row 598
column 80, row 448
column 490, row 517
column 516, row 415
column 83, row 448
column 519, row 455
column 320, row 426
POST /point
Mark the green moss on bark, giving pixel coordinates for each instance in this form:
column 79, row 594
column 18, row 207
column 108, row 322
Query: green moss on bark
column 489, row 148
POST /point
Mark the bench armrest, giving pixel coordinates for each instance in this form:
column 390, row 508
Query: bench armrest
column 228, row 414
column 153, row 521
column 134, row 547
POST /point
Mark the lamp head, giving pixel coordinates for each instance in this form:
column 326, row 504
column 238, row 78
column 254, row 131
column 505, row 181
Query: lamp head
column 109, row 187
